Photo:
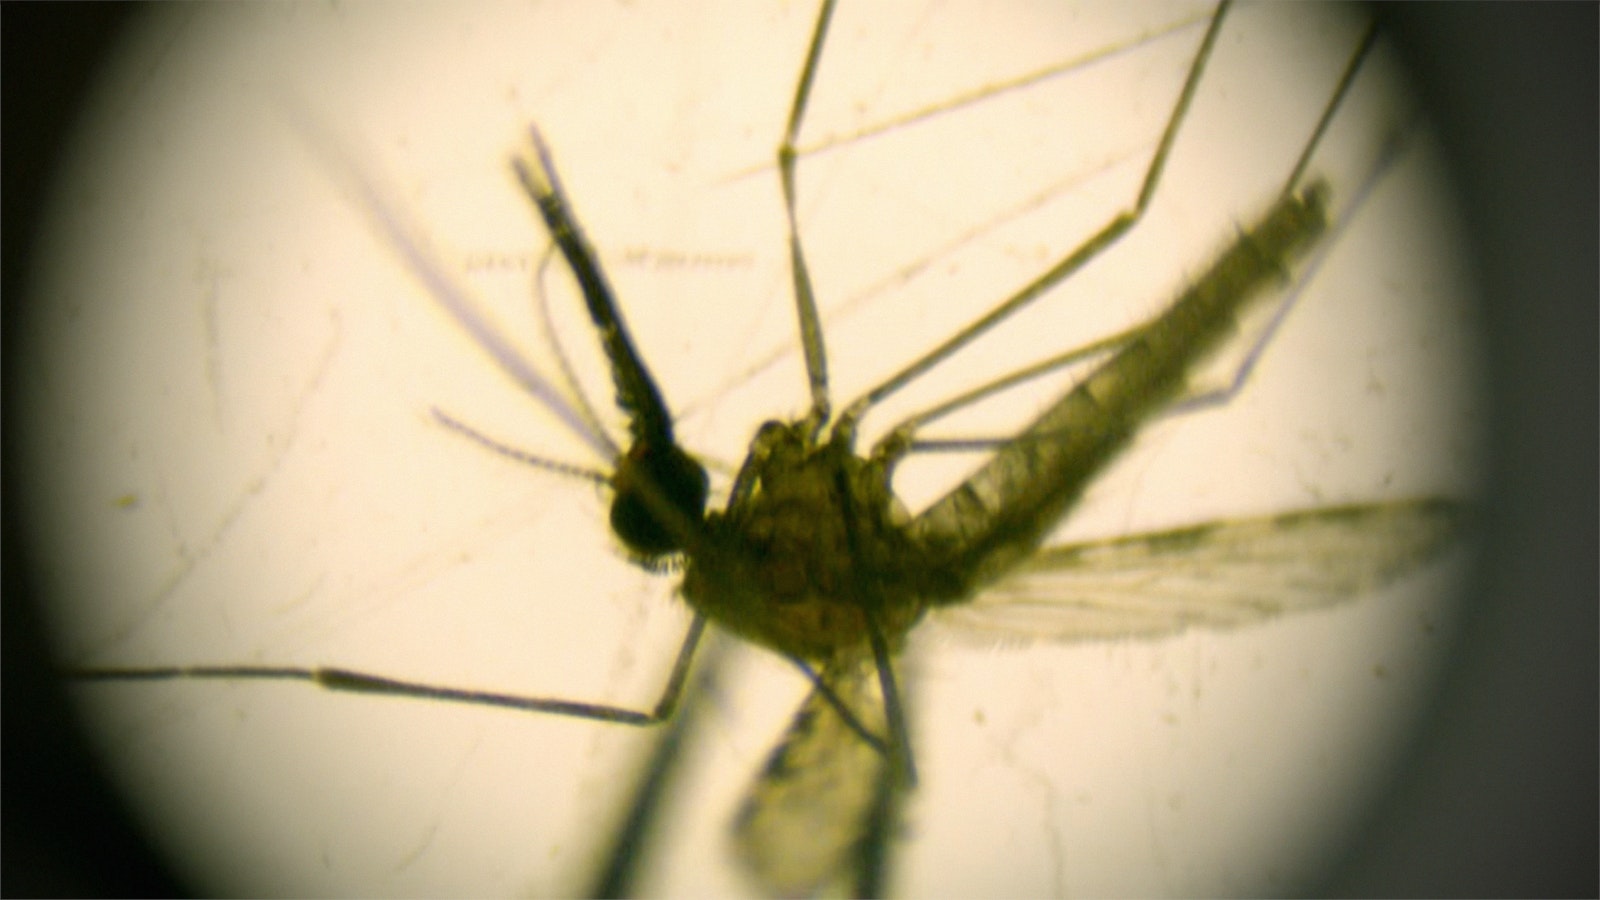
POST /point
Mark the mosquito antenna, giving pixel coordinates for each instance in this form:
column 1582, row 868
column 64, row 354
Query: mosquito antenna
column 385, row 212
column 558, row 467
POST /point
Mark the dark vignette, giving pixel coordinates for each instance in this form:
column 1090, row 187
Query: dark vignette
column 63, row 832
column 1500, row 795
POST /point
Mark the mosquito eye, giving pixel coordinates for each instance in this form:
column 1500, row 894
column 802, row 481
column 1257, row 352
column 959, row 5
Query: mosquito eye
column 647, row 478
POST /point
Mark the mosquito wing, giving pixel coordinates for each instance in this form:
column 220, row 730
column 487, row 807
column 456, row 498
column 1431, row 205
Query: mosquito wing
column 1219, row 574
column 819, row 806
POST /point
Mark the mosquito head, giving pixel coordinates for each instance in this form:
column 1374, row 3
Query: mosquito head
column 660, row 498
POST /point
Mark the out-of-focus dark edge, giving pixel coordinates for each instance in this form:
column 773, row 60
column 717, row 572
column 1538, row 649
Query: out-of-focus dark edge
column 64, row 832
column 1499, row 797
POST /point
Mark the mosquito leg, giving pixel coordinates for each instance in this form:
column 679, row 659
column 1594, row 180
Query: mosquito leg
column 350, row 681
column 993, row 89
column 840, row 707
column 1345, row 80
column 878, row 831
column 872, row 854
column 628, row 853
column 901, row 436
column 829, row 143
column 1086, row 251
column 805, row 301
column 904, row 771
column 1241, row 376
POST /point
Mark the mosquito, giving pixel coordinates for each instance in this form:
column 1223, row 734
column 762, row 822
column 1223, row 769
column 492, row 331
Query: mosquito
column 812, row 555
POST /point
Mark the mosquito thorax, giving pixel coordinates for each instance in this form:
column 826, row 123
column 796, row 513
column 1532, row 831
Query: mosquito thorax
column 811, row 551
column 660, row 499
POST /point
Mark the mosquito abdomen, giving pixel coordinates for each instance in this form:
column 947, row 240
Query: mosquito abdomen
column 1000, row 514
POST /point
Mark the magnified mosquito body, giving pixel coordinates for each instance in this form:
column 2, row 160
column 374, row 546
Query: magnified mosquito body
column 814, row 557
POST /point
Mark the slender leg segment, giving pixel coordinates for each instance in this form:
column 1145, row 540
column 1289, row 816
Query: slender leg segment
column 902, row 433
column 805, row 301
column 353, row 682
column 1088, row 250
